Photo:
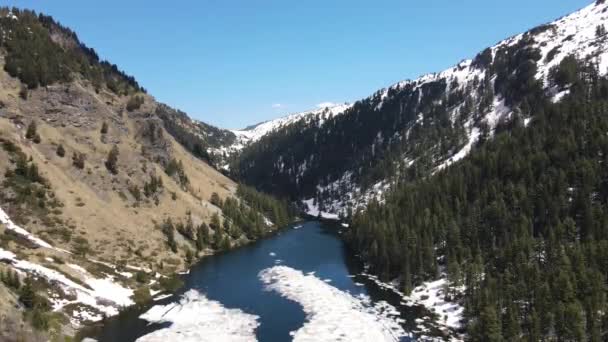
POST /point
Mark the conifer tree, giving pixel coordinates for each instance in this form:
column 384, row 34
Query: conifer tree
column 60, row 151
column 31, row 131
column 104, row 128
column 112, row 160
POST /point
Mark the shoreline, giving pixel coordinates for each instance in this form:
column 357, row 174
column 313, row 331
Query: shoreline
column 427, row 324
column 91, row 330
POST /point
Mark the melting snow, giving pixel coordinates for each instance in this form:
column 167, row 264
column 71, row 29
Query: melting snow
column 198, row 319
column 574, row 34
column 104, row 295
column 10, row 225
column 432, row 296
column 313, row 210
column 473, row 136
column 333, row 315
column 106, row 288
column 161, row 297
column 498, row 112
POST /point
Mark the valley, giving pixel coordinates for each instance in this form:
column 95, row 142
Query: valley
column 467, row 204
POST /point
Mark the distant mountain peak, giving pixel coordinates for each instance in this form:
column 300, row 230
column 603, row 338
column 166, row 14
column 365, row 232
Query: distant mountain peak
column 255, row 132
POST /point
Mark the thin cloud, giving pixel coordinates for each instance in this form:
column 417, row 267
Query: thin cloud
column 277, row 106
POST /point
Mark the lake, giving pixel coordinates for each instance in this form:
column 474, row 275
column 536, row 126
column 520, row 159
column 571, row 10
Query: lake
column 320, row 274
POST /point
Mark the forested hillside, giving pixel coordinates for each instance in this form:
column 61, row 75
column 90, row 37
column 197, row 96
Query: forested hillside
column 40, row 52
column 415, row 128
column 521, row 222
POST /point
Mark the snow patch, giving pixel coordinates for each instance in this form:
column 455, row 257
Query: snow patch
column 313, row 210
column 103, row 294
column 431, row 295
column 161, row 297
column 333, row 315
column 499, row 111
column 11, row 15
column 196, row 318
column 473, row 136
column 10, row 225
column 267, row 221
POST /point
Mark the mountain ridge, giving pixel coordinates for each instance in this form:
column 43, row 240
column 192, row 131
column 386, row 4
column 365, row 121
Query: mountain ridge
column 545, row 46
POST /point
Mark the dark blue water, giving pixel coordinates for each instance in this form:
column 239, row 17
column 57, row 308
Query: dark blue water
column 232, row 279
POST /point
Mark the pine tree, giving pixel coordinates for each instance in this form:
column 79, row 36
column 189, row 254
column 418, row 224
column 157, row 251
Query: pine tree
column 218, row 239
column 60, row 151
column 511, row 328
column 189, row 256
column 31, row 131
column 215, row 223
column 27, row 296
column 168, row 230
column 225, row 243
column 112, row 160
column 104, row 128
column 216, row 200
column 78, row 160
column 23, row 92
column 202, row 236
column 574, row 324
column 490, row 326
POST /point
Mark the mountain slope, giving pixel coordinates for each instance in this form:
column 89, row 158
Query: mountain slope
column 516, row 230
column 220, row 146
column 104, row 193
column 415, row 128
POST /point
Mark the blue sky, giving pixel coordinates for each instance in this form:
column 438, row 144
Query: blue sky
column 235, row 63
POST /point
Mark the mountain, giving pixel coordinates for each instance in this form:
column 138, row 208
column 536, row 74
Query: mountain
column 486, row 179
column 417, row 127
column 516, row 228
column 105, row 193
column 484, row 184
column 254, row 133
column 223, row 145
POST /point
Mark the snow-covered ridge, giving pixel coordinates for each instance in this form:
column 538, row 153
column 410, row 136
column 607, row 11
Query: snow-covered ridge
column 254, row 133
column 331, row 314
column 575, row 34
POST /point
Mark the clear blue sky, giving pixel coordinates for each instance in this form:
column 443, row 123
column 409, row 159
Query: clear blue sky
column 235, row 63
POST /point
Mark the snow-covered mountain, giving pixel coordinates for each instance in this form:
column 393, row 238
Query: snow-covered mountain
column 253, row 133
column 231, row 142
column 420, row 126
